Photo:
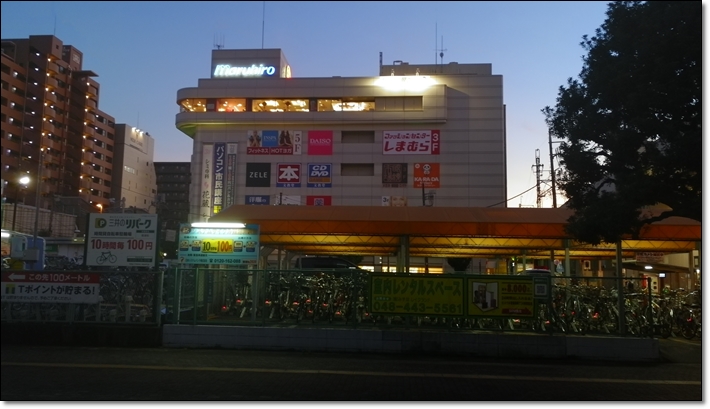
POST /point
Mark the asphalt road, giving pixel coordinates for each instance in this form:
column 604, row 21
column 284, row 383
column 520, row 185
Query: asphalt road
column 165, row 374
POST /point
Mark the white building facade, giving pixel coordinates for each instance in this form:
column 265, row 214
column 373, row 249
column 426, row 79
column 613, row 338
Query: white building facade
column 417, row 135
column 134, row 187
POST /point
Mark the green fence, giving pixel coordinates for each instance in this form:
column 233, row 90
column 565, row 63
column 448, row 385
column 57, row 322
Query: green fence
column 355, row 298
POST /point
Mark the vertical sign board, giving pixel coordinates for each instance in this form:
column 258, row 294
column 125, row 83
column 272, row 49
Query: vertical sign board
column 230, row 183
column 218, row 186
column 230, row 246
column 500, row 297
column 401, row 295
column 122, row 240
column 43, row 287
column 206, row 182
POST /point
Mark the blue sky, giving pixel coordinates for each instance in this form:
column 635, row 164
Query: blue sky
column 144, row 52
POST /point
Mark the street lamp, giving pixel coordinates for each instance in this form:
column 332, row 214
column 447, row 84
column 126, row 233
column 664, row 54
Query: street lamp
column 24, row 181
column 101, row 207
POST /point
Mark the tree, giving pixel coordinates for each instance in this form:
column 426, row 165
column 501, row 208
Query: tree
column 459, row 263
column 630, row 126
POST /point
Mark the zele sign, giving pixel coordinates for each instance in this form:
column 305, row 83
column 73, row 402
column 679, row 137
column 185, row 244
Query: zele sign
column 226, row 70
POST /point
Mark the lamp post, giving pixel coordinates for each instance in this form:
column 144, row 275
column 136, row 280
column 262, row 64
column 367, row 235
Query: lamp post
column 37, row 183
column 24, row 181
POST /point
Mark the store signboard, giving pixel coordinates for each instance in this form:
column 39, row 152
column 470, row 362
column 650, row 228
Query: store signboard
column 122, row 240
column 206, row 181
column 411, row 142
column 218, row 245
column 433, row 295
column 426, row 175
column 320, row 175
column 500, row 297
column 320, row 142
column 220, row 151
column 288, row 175
column 44, row 287
column 274, row 142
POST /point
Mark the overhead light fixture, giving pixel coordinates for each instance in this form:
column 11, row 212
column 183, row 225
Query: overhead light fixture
column 649, row 267
column 217, row 225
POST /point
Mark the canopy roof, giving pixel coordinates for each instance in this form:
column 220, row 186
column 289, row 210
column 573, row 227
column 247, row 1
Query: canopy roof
column 443, row 231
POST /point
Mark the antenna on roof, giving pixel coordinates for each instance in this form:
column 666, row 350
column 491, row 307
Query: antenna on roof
column 263, row 17
column 219, row 41
column 441, row 50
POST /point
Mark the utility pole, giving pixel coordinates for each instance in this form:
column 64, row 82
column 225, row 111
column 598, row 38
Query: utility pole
column 538, row 174
column 552, row 170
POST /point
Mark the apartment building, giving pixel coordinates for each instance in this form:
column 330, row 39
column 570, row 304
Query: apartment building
column 173, row 182
column 134, row 184
column 52, row 128
column 416, row 135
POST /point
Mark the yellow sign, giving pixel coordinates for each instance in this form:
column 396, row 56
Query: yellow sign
column 500, row 297
column 417, row 295
column 217, row 246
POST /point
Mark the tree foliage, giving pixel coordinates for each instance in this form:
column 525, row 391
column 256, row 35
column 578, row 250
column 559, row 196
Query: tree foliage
column 459, row 263
column 630, row 126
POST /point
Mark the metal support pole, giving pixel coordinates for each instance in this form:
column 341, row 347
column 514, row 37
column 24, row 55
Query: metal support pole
column 620, row 290
column 552, row 170
column 37, row 183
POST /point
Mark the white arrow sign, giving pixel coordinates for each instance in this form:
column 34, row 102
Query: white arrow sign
column 14, row 276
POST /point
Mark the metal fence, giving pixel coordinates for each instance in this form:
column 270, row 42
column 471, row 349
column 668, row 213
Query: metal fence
column 125, row 297
column 573, row 305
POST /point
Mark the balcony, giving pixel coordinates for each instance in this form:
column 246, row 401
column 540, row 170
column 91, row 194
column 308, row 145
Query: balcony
column 49, row 97
column 91, row 103
column 49, row 127
column 52, row 82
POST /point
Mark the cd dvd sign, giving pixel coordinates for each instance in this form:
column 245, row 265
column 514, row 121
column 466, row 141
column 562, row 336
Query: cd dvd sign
column 320, row 175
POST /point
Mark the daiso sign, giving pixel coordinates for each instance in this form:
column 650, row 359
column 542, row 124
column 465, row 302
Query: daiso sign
column 320, row 142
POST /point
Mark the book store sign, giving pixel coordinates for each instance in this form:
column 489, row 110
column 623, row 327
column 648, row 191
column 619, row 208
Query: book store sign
column 227, row 71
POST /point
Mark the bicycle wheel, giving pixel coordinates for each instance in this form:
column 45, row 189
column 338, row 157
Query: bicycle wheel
column 688, row 328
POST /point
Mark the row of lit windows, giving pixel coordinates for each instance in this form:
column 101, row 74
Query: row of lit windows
column 275, row 105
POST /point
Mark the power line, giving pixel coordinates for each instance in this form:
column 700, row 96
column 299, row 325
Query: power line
column 507, row 200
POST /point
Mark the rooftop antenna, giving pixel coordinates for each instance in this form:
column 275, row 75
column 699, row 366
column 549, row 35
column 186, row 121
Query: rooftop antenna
column 441, row 50
column 219, row 41
column 263, row 17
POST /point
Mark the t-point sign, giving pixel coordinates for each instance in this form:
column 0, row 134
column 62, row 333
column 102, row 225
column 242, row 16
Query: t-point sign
column 226, row 70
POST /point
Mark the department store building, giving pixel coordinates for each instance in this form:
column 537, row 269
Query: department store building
column 416, row 135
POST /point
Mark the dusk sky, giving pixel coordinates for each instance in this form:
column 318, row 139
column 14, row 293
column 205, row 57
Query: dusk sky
column 144, row 52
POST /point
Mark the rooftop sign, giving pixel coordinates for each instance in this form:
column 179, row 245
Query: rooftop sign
column 226, row 70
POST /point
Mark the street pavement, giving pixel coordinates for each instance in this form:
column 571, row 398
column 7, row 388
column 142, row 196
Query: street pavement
column 44, row 373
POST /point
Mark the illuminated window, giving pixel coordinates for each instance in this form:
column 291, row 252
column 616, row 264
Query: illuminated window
column 232, row 105
column 346, row 104
column 194, row 105
column 280, row 105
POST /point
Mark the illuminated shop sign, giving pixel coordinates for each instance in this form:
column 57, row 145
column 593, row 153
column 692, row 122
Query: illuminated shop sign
column 226, row 70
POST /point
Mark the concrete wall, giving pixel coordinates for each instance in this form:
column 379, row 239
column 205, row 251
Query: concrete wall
column 503, row 345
